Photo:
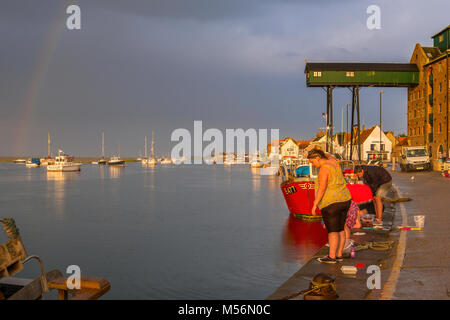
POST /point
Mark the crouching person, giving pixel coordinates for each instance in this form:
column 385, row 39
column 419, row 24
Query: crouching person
column 380, row 182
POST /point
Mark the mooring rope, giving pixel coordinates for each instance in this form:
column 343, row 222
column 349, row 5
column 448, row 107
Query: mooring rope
column 315, row 288
column 396, row 200
column 374, row 245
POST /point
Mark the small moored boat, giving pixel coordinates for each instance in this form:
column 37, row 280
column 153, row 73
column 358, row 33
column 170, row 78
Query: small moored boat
column 63, row 163
column 166, row 161
column 116, row 161
column 33, row 162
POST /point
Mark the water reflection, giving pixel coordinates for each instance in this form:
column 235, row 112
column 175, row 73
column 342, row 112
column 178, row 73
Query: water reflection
column 102, row 172
column 115, row 171
column 230, row 222
column 256, row 183
column 56, row 191
column 302, row 239
column 62, row 176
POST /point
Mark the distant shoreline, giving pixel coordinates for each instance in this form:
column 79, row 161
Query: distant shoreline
column 81, row 159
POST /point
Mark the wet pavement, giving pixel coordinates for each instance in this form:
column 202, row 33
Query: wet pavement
column 425, row 271
column 417, row 265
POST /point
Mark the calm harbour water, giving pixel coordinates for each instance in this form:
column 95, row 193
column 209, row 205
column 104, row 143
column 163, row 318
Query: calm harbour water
column 169, row 232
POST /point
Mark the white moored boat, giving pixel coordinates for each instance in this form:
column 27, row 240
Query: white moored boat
column 166, row 161
column 116, row 161
column 102, row 160
column 32, row 163
column 150, row 161
column 63, row 163
column 229, row 160
column 256, row 163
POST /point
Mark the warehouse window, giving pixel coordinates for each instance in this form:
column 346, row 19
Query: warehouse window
column 441, row 38
column 317, row 73
column 350, row 74
column 440, row 128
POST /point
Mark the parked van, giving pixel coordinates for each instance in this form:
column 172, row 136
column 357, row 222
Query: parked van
column 415, row 158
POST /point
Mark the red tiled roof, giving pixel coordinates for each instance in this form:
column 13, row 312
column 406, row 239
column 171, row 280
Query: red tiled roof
column 364, row 134
column 402, row 141
column 302, row 144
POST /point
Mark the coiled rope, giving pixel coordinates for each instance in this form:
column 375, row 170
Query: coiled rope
column 375, row 245
column 10, row 228
column 315, row 288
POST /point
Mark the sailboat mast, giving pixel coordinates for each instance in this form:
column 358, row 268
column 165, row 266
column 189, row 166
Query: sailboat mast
column 103, row 144
column 153, row 146
column 145, row 147
column 48, row 140
column 119, row 150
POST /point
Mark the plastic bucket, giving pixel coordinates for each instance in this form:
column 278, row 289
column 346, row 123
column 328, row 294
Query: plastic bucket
column 420, row 221
column 367, row 220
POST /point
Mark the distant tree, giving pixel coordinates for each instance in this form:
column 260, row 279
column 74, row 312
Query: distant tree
column 402, row 135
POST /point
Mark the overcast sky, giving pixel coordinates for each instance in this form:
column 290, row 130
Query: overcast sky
column 158, row 65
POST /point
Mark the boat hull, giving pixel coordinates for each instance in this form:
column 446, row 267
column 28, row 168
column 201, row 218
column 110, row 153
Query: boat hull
column 65, row 168
column 256, row 165
column 148, row 162
column 269, row 171
column 116, row 163
column 299, row 197
column 31, row 165
column 101, row 161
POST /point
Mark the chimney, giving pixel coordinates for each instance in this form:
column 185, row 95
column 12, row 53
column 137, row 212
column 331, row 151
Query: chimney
column 364, row 127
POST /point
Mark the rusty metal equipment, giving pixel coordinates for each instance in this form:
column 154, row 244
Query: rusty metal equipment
column 13, row 256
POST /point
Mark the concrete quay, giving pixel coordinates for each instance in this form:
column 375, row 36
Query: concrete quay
column 416, row 266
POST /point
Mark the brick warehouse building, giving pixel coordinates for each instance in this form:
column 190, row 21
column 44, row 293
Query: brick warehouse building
column 428, row 109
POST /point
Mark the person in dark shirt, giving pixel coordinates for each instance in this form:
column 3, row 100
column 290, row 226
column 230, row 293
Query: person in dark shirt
column 380, row 182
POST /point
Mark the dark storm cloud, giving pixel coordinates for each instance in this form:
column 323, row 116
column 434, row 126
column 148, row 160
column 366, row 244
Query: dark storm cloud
column 203, row 10
column 142, row 66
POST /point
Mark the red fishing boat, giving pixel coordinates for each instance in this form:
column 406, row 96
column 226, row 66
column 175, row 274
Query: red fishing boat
column 298, row 188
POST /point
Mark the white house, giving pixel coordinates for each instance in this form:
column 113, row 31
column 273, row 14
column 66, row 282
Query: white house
column 321, row 141
column 370, row 144
column 289, row 148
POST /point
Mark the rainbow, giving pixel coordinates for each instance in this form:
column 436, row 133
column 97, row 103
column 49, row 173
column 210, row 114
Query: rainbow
column 38, row 76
